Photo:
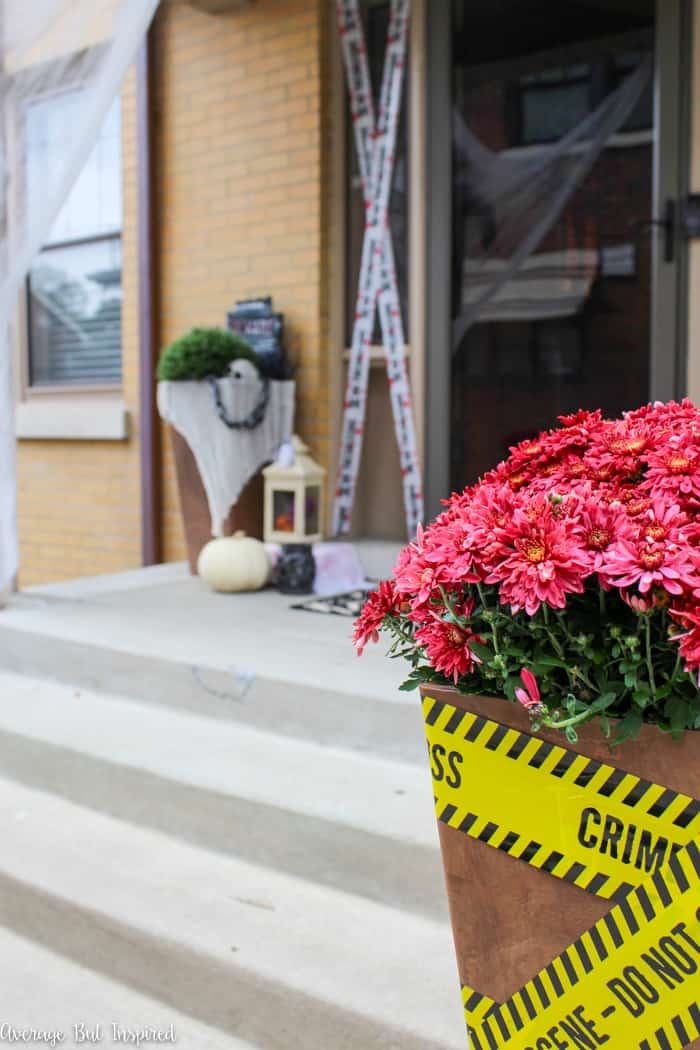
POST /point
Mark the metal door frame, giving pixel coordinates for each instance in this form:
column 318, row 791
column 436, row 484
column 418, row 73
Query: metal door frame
column 669, row 293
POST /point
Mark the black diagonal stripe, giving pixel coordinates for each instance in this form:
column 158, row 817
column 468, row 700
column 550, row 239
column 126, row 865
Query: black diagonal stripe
column 635, row 796
column 448, row 813
column 569, row 967
column 662, row 1039
column 473, row 1001
column 475, row 729
column 474, row 1039
column 632, row 924
column 583, row 955
column 689, row 814
column 552, row 861
column 678, row 873
column 530, row 850
column 695, row 1016
column 508, row 842
column 488, row 832
column 574, row 871
column 541, row 991
column 556, row 983
column 519, row 746
column 468, row 822
column 694, row 855
column 564, row 763
column 613, row 930
column 495, row 1012
column 662, row 803
column 612, row 783
column 645, row 1045
column 490, row 1038
column 529, row 1005
column 455, row 721
column 540, row 755
column 645, row 901
column 679, row 1029
column 434, row 713
column 662, row 889
column 622, row 892
column 496, row 737
column 517, row 1019
column 596, row 884
column 587, row 773
column 598, row 943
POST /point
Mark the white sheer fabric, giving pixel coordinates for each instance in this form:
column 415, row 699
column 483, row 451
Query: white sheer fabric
column 227, row 459
column 76, row 51
column 518, row 196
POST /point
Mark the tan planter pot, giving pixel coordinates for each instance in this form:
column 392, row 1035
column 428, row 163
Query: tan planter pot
column 196, row 517
column 510, row 919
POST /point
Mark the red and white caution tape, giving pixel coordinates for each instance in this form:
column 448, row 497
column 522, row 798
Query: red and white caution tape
column 377, row 286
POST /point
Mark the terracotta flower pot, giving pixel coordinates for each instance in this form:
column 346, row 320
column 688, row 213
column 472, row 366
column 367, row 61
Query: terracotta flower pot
column 247, row 515
column 511, row 918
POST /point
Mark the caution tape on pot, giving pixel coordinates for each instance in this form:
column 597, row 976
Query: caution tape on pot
column 633, row 979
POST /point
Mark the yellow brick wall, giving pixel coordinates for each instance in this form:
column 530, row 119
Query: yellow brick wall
column 240, row 166
column 78, row 501
column 238, row 113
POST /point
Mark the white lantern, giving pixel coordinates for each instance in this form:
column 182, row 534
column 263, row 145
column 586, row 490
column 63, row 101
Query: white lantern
column 294, row 499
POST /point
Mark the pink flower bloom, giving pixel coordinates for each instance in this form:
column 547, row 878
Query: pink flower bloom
column 380, row 603
column 538, row 560
column 447, row 645
column 647, row 564
column 689, row 639
column 529, row 697
column 673, row 469
column 636, row 602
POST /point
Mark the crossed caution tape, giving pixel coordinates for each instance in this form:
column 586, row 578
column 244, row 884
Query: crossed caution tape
column 633, row 979
column 377, row 287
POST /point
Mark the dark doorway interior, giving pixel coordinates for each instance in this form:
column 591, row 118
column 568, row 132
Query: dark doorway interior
column 572, row 327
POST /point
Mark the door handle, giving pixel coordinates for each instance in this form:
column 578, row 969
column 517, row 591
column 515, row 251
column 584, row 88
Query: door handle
column 668, row 224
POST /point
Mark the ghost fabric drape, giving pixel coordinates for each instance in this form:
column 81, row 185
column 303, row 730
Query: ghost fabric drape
column 79, row 50
column 516, row 197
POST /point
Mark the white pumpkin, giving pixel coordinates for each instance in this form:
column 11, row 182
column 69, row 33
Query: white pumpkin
column 234, row 563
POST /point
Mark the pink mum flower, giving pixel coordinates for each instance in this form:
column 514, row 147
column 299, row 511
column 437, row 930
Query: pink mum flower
column 447, row 645
column 673, row 468
column 529, row 697
column 647, row 564
column 538, row 560
column 380, row 603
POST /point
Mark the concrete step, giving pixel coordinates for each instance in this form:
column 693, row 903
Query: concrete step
column 267, row 957
column 340, row 818
column 159, row 637
column 43, row 991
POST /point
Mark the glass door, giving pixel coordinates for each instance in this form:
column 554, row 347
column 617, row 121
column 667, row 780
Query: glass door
column 562, row 273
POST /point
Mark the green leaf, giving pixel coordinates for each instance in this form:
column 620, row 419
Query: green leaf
column 550, row 661
column 482, row 651
column 629, row 727
column 602, row 703
column 409, row 685
column 679, row 713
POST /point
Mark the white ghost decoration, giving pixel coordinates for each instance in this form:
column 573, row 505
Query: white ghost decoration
column 243, row 369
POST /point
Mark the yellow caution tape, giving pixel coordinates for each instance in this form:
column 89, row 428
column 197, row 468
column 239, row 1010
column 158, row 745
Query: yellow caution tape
column 579, row 819
column 630, row 982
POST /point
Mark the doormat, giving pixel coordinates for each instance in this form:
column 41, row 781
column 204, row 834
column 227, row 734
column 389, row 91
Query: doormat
column 347, row 604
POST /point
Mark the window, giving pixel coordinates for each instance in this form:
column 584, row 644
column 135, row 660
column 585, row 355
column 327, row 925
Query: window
column 552, row 102
column 75, row 283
